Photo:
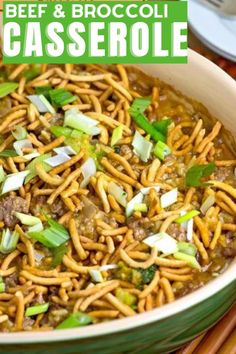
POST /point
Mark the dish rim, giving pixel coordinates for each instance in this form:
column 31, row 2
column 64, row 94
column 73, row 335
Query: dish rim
column 121, row 325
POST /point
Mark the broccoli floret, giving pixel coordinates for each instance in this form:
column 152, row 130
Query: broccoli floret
column 117, row 149
column 148, row 274
column 125, row 297
column 139, row 277
column 123, row 272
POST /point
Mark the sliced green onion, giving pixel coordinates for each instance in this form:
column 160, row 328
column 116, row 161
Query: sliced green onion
column 80, row 140
column 2, row 174
column 58, row 131
column 26, row 219
column 130, row 205
column 189, row 229
column 107, row 267
column 77, row 319
column 31, row 156
column 141, row 207
column 138, row 199
column 190, row 260
column 41, row 103
column 51, row 237
column 67, row 150
column 77, row 120
column 143, row 123
column 31, row 73
column 57, row 160
column 36, row 310
column 187, row 248
column 142, row 147
column 9, row 241
column 43, row 90
column 169, row 198
column 162, row 125
column 31, row 166
column 88, row 170
column 140, row 104
column 197, row 172
column 58, row 253
column 57, row 227
column 146, row 190
column 14, row 181
column 189, row 215
column 8, row 153
column 187, row 225
column 208, row 202
column 21, row 144
column 76, row 134
column 163, row 242
column 96, row 275
column 48, row 238
column 60, row 97
column 2, row 287
column 36, row 228
column 161, row 150
column 7, row 87
column 116, row 134
column 118, row 193
column 19, row 133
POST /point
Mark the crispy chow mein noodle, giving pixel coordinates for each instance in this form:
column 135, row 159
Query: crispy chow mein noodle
column 118, row 195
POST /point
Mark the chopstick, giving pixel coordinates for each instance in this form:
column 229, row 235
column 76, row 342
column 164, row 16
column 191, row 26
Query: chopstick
column 229, row 347
column 217, row 335
column 189, row 349
column 210, row 342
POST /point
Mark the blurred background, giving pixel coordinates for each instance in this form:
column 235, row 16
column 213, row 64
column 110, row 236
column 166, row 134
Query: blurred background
column 212, row 25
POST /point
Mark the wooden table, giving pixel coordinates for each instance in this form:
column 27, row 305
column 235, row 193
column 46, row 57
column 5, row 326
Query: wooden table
column 221, row 339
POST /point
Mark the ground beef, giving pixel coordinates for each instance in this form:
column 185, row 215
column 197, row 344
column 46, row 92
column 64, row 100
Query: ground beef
column 230, row 237
column 125, row 150
column 39, row 299
column 38, row 204
column 56, row 210
column 28, row 323
column 230, row 250
column 86, row 222
column 11, row 281
column 222, row 173
column 177, row 231
column 8, row 206
column 56, row 316
column 141, row 227
column 5, row 106
column 53, row 290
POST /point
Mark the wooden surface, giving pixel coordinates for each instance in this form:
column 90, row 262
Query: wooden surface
column 221, row 339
